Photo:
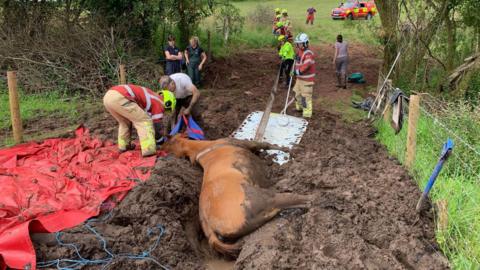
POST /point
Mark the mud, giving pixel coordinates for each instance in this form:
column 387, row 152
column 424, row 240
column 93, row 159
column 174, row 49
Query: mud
column 363, row 214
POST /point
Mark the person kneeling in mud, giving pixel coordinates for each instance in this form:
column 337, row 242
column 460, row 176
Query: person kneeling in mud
column 186, row 94
column 132, row 104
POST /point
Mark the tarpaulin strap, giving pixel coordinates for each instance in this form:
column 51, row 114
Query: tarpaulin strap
column 192, row 125
column 194, row 131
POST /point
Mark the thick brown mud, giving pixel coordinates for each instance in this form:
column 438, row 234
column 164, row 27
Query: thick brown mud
column 362, row 218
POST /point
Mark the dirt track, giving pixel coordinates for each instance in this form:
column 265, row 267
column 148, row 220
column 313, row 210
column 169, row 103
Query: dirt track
column 363, row 214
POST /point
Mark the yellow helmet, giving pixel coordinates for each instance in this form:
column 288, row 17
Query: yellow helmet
column 169, row 100
column 284, row 11
column 277, row 10
column 279, row 16
column 281, row 38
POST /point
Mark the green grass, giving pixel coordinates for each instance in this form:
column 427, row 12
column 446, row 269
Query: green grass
column 324, row 29
column 36, row 106
column 458, row 183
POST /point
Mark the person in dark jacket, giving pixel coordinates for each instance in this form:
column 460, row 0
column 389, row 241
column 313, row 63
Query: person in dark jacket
column 195, row 58
column 174, row 57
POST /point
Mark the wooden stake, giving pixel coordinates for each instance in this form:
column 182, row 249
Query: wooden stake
column 123, row 77
column 14, row 107
column 413, row 114
column 442, row 221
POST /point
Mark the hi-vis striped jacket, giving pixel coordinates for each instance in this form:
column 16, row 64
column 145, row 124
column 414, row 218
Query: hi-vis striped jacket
column 305, row 68
column 145, row 98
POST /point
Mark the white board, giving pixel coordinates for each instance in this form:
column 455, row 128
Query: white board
column 282, row 130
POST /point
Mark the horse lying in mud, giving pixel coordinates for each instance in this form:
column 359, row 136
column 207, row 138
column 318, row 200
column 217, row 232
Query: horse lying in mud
column 233, row 200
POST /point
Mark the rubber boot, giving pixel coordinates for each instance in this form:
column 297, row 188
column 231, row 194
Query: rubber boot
column 339, row 80
column 307, row 111
column 344, row 81
column 147, row 140
column 298, row 105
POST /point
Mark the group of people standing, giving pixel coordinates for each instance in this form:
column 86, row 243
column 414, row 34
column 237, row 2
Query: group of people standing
column 194, row 57
column 146, row 109
column 299, row 61
column 178, row 95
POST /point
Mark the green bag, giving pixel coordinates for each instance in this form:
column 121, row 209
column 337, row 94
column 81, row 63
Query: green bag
column 356, row 78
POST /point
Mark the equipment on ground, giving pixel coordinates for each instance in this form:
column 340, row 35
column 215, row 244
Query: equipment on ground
column 356, row 77
column 58, row 184
column 279, row 129
column 446, row 151
column 194, row 131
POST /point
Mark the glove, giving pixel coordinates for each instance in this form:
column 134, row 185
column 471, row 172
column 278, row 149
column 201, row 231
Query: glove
column 297, row 58
column 297, row 72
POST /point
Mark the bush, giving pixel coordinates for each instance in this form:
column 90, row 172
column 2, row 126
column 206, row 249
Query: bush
column 258, row 15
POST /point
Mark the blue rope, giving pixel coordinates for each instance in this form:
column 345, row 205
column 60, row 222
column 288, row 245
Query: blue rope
column 73, row 264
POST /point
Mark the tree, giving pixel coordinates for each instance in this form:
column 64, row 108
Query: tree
column 229, row 19
column 389, row 16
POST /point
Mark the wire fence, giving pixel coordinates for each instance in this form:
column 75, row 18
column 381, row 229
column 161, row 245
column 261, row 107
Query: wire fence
column 459, row 181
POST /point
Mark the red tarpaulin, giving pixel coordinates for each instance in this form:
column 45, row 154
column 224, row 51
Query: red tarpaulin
column 59, row 184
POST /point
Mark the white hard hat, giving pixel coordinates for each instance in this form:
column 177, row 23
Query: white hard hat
column 301, row 38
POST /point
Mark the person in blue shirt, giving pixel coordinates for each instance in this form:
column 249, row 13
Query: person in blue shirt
column 173, row 56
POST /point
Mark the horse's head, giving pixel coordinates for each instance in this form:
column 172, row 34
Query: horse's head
column 176, row 145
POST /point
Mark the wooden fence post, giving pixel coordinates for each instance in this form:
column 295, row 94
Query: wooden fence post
column 123, row 77
column 442, row 220
column 14, row 107
column 413, row 115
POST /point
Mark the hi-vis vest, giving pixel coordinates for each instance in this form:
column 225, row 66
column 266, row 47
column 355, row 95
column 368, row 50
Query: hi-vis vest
column 145, row 98
column 305, row 68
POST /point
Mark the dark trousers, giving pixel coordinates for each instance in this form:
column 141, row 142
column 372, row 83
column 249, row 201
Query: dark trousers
column 173, row 67
column 184, row 103
column 287, row 68
column 194, row 73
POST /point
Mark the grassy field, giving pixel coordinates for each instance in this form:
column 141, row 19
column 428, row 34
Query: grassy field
column 458, row 183
column 324, row 29
column 35, row 106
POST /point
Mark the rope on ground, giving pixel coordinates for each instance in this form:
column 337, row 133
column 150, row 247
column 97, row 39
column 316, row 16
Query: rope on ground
column 80, row 261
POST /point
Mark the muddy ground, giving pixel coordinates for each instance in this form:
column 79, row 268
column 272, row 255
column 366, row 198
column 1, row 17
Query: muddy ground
column 363, row 216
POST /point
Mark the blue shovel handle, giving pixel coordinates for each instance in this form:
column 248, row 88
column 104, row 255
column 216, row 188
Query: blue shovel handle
column 446, row 151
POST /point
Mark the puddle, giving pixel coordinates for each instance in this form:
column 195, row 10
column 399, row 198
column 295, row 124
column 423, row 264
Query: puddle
column 218, row 264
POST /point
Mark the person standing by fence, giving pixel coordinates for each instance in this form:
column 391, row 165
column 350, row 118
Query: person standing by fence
column 340, row 60
column 195, row 58
column 173, row 57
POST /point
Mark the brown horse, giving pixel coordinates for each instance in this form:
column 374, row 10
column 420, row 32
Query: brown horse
column 233, row 198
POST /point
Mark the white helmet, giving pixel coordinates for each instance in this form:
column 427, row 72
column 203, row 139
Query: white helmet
column 301, row 38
